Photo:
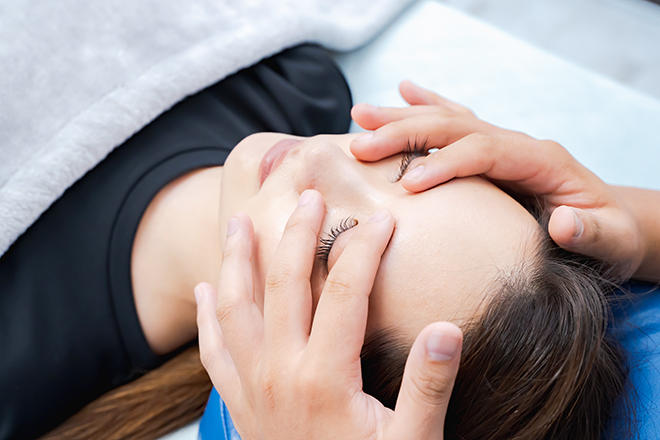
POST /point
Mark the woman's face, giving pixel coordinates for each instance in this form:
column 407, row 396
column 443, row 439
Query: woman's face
column 449, row 243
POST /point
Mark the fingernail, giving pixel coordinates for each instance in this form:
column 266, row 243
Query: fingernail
column 579, row 226
column 232, row 226
column 365, row 137
column 415, row 173
column 379, row 215
column 305, row 197
column 198, row 293
column 442, row 347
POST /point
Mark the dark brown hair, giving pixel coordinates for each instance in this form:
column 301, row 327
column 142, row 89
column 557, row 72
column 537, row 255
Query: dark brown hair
column 537, row 363
column 157, row 403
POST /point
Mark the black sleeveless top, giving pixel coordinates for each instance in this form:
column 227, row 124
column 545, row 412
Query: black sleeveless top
column 69, row 330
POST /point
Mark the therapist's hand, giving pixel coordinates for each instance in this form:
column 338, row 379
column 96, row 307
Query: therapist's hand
column 284, row 377
column 588, row 216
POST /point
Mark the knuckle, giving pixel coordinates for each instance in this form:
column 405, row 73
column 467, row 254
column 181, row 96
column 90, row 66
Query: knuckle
column 269, row 393
column 466, row 111
column 226, row 309
column 441, row 110
column 449, row 113
column 557, row 152
column 432, row 390
column 340, row 284
column 309, row 386
column 552, row 145
column 280, row 277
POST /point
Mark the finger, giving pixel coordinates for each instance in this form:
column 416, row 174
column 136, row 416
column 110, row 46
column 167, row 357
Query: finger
column 371, row 117
column 580, row 231
column 288, row 296
column 416, row 95
column 212, row 349
column 428, row 381
column 436, row 129
column 239, row 317
column 566, row 228
column 422, row 101
column 534, row 166
column 341, row 314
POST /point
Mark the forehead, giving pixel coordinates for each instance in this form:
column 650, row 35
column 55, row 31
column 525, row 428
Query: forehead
column 449, row 246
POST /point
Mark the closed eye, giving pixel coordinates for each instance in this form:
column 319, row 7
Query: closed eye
column 417, row 149
column 325, row 244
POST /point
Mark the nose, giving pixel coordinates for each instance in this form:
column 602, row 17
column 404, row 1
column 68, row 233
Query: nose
column 326, row 168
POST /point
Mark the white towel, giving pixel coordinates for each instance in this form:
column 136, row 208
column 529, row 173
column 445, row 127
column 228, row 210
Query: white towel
column 79, row 77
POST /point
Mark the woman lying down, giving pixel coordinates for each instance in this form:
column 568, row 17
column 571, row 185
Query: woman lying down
column 537, row 361
column 100, row 289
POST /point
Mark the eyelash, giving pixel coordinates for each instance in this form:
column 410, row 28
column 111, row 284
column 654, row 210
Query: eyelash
column 325, row 245
column 417, row 149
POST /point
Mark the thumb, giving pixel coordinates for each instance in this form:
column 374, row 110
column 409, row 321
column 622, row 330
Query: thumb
column 606, row 235
column 428, row 381
column 580, row 231
column 566, row 227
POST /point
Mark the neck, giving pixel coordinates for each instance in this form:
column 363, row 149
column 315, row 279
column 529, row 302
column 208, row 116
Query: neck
column 177, row 246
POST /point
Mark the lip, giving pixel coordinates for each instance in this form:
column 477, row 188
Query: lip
column 274, row 157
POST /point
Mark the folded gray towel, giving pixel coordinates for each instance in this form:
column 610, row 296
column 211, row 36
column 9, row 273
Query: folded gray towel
column 80, row 77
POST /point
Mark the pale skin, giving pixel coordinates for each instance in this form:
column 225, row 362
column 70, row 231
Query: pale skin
column 451, row 226
column 322, row 399
column 469, row 229
column 177, row 245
